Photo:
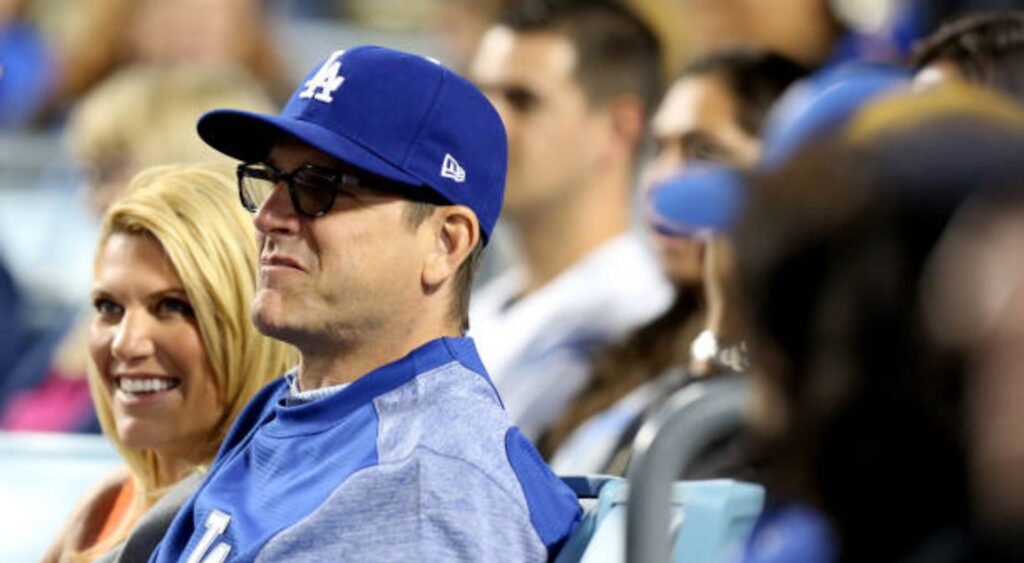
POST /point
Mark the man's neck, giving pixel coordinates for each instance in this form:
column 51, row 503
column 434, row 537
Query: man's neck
column 345, row 359
column 551, row 240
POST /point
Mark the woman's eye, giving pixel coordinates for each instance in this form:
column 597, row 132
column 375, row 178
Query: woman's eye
column 174, row 306
column 705, row 149
column 106, row 307
column 705, row 152
column 522, row 100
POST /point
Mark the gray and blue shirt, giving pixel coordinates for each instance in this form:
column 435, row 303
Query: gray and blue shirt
column 416, row 460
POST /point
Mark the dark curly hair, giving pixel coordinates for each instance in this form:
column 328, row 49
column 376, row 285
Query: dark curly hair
column 987, row 48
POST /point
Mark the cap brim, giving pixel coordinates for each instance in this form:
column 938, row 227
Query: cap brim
column 697, row 200
column 822, row 104
column 250, row 136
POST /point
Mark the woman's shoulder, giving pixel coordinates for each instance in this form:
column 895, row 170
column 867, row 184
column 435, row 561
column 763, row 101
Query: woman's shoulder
column 106, row 489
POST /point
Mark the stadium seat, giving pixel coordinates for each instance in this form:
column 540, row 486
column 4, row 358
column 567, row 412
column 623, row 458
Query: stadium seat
column 709, row 519
column 718, row 515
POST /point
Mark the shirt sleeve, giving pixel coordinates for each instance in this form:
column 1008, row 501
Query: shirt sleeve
column 428, row 508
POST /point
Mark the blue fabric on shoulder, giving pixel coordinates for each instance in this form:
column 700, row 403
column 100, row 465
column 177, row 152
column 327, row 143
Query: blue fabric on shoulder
column 548, row 513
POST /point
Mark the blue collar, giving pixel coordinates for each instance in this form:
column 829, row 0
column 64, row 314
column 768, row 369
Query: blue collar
column 323, row 413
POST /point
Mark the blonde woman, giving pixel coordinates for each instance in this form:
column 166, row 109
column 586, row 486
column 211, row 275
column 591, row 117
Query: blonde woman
column 143, row 116
column 173, row 355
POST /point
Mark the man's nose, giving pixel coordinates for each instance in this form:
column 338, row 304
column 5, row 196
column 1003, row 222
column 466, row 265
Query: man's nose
column 277, row 214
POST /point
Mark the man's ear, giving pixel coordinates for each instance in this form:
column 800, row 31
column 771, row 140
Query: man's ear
column 455, row 231
column 629, row 118
column 625, row 119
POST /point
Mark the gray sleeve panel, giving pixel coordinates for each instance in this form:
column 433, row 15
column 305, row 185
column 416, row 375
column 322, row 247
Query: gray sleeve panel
column 443, row 490
column 451, row 411
column 428, row 508
column 459, row 415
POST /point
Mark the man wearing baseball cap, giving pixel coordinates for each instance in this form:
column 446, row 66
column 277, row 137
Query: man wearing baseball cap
column 373, row 194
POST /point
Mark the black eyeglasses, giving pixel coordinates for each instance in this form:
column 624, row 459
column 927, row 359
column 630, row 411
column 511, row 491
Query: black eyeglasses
column 312, row 189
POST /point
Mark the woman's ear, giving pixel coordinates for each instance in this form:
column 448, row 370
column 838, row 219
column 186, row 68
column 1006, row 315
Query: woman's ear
column 455, row 232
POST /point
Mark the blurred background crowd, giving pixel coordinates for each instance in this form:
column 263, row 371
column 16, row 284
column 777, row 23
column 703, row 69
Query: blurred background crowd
column 821, row 198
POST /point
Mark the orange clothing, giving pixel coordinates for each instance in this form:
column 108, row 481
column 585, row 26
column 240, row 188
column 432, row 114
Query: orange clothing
column 120, row 512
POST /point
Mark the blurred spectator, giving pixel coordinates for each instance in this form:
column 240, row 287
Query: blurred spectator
column 984, row 48
column 976, row 289
column 142, row 116
column 861, row 404
column 26, row 66
column 716, row 110
column 817, row 33
column 804, row 30
column 174, row 357
column 113, row 33
column 938, row 12
column 713, row 113
column 460, row 24
column 664, row 18
column 145, row 115
column 12, row 331
column 389, row 14
column 572, row 82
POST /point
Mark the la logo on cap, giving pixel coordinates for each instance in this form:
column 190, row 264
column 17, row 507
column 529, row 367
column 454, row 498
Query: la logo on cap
column 326, row 80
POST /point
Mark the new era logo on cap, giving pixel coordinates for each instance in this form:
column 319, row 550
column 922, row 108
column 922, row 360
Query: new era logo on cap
column 450, row 168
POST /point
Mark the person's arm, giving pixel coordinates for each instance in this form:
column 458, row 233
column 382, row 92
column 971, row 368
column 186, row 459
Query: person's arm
column 87, row 518
column 430, row 508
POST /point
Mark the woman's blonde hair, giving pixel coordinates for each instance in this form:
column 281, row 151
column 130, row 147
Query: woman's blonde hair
column 194, row 213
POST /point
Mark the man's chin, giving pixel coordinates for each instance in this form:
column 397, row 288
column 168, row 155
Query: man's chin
column 270, row 315
column 278, row 330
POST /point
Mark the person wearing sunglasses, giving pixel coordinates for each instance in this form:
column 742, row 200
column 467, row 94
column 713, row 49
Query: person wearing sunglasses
column 373, row 195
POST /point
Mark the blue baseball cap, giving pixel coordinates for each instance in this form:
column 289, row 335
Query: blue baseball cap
column 397, row 115
column 697, row 199
column 823, row 104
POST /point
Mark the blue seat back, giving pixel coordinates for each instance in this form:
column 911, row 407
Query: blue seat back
column 711, row 520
